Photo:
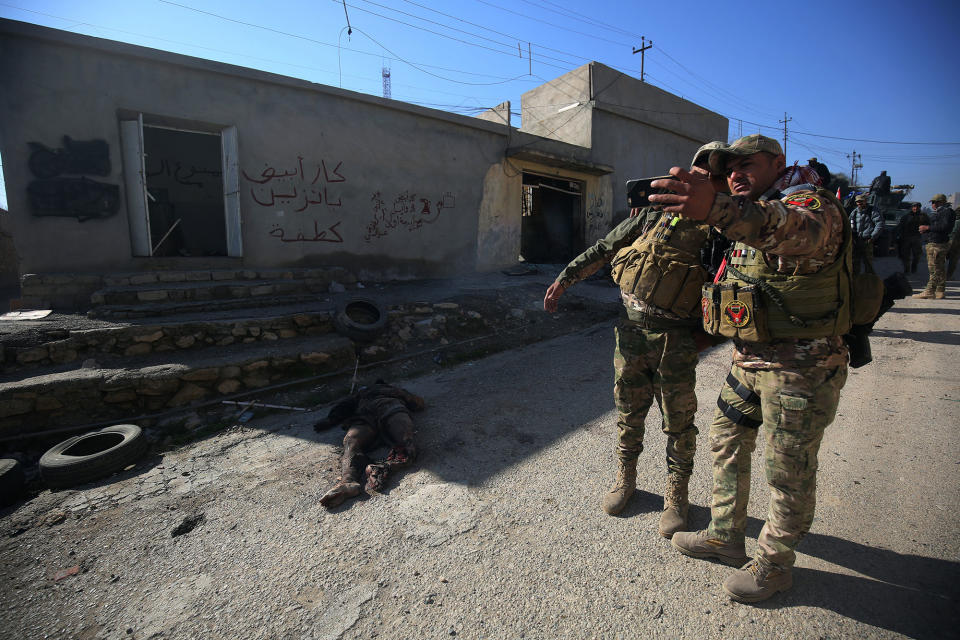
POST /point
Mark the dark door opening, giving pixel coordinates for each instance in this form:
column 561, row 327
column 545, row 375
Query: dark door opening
column 551, row 227
column 184, row 192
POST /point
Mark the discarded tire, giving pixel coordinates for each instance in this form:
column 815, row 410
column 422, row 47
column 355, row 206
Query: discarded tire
column 360, row 319
column 92, row 455
column 11, row 481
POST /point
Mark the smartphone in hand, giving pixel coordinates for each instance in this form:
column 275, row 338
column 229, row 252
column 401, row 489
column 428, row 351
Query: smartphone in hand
column 638, row 191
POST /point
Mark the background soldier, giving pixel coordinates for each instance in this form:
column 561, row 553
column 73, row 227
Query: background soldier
column 879, row 189
column 909, row 245
column 788, row 364
column 866, row 224
column 821, row 170
column 953, row 251
column 380, row 411
column 937, row 236
column 656, row 355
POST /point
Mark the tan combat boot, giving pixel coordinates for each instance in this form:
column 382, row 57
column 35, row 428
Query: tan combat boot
column 675, row 505
column 757, row 581
column 700, row 544
column 616, row 499
column 925, row 295
column 940, row 294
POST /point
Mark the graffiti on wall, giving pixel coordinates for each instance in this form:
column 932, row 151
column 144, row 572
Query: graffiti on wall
column 188, row 177
column 330, row 234
column 53, row 194
column 596, row 216
column 407, row 211
column 304, row 185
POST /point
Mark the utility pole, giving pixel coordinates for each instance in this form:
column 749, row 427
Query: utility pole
column 854, row 165
column 785, row 121
column 643, row 47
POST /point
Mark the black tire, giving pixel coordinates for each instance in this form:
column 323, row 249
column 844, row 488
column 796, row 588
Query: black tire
column 11, row 481
column 360, row 319
column 92, row 455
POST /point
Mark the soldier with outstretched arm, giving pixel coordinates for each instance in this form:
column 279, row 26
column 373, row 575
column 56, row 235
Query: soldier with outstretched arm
column 656, row 353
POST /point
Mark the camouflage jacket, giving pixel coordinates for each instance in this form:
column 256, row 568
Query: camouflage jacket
column 800, row 233
column 603, row 251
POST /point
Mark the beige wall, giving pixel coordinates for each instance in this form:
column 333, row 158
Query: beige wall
column 386, row 189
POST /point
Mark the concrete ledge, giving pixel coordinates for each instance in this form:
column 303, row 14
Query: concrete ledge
column 87, row 395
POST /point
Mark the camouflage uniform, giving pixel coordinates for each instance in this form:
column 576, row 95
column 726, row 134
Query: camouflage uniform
column 937, row 238
column 789, row 387
column 655, row 358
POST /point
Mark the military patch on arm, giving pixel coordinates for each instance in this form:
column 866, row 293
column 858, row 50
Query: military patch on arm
column 804, row 200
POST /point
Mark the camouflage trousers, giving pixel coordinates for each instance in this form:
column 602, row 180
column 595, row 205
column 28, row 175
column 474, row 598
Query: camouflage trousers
column 793, row 408
column 937, row 265
column 656, row 364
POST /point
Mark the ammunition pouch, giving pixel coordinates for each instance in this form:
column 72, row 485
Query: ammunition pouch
column 735, row 311
column 660, row 275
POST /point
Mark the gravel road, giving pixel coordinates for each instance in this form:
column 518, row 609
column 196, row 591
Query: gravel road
column 497, row 532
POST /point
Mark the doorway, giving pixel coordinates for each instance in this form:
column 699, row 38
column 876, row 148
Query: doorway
column 551, row 227
column 182, row 189
column 184, row 192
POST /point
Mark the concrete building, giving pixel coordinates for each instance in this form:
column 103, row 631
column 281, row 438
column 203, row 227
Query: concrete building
column 124, row 159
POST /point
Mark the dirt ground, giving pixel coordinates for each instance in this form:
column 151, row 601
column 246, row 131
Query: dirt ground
column 497, row 532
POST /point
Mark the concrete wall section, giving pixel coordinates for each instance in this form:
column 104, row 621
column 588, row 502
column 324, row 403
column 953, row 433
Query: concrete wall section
column 649, row 152
column 560, row 109
column 652, row 107
column 326, row 176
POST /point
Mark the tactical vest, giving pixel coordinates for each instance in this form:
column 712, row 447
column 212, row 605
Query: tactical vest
column 662, row 267
column 756, row 303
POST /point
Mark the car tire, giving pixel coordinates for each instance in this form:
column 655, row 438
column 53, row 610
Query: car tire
column 11, row 481
column 360, row 319
column 92, row 455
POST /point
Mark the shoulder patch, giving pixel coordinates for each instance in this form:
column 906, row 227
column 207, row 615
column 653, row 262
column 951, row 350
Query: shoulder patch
column 804, row 200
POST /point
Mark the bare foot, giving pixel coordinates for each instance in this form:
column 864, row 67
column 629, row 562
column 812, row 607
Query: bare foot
column 340, row 492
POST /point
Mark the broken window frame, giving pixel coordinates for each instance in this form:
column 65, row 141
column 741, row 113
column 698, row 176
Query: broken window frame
column 135, row 179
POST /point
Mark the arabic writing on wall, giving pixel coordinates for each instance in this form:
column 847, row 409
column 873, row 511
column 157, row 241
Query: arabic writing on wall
column 300, row 186
column 596, row 216
column 330, row 234
column 406, row 212
column 188, row 177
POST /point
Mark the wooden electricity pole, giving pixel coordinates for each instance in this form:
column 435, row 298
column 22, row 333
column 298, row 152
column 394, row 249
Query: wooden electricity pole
column 643, row 47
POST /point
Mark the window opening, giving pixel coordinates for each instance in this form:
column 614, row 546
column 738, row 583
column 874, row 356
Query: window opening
column 551, row 227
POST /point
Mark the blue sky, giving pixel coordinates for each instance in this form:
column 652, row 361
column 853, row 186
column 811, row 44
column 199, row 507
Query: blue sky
column 879, row 78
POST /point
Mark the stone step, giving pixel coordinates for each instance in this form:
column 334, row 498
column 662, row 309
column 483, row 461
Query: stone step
column 205, row 291
column 154, row 383
column 76, row 290
column 174, row 306
column 173, row 337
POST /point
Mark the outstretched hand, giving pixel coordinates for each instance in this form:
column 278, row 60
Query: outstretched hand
column 551, row 300
column 692, row 196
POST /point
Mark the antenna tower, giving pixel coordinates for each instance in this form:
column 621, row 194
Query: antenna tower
column 386, row 81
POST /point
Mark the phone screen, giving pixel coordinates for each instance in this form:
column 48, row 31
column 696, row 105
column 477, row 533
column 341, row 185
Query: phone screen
column 638, row 191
